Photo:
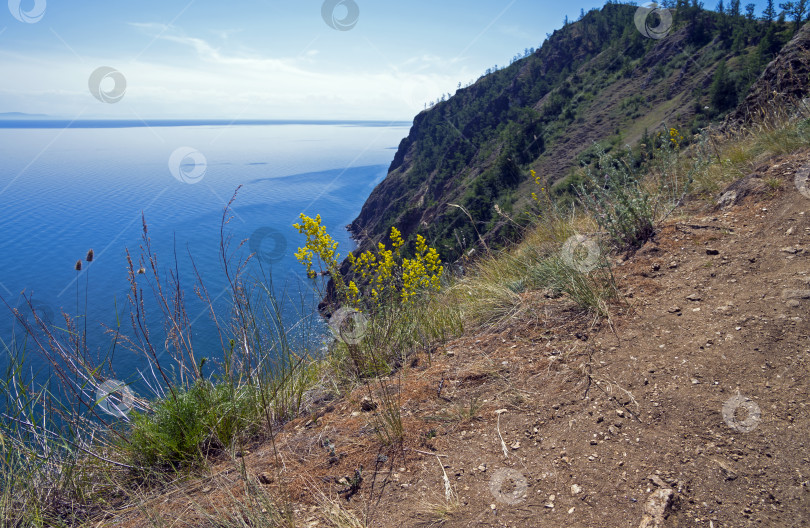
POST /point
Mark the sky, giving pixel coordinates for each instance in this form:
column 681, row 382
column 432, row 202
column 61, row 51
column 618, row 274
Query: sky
column 260, row 59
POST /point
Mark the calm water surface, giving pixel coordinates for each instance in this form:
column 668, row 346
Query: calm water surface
column 66, row 190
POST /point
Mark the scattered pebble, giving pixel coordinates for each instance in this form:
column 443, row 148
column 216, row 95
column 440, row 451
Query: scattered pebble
column 367, row 405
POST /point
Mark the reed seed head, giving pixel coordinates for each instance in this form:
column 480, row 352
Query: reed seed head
column 90, row 255
column 79, row 265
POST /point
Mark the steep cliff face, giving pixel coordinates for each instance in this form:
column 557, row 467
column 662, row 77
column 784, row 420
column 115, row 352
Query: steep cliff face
column 785, row 81
column 597, row 80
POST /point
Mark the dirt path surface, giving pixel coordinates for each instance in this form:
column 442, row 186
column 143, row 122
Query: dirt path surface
column 689, row 409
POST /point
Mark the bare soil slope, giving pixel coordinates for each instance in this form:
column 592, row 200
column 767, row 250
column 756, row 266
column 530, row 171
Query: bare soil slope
column 689, row 409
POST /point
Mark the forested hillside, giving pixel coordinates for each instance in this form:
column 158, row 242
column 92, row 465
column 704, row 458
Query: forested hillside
column 595, row 83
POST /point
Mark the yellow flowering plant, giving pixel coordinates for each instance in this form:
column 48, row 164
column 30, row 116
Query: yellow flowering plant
column 319, row 243
column 675, row 137
column 384, row 273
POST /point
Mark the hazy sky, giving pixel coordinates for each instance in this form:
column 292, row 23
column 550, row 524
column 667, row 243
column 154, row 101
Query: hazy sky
column 259, row 59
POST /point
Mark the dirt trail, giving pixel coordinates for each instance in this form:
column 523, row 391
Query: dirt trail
column 690, row 411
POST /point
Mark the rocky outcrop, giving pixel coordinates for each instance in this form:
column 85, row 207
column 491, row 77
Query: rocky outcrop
column 785, row 82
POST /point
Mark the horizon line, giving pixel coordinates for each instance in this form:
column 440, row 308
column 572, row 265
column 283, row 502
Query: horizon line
column 43, row 121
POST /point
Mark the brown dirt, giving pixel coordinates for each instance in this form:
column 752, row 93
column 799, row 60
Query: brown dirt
column 598, row 418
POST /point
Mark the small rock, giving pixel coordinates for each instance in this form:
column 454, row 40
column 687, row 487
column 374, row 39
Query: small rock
column 727, row 471
column 694, row 297
column 515, row 446
column 673, row 265
column 620, row 412
column 265, row 478
column 656, row 266
column 575, row 489
column 367, row 404
column 482, row 468
column 712, row 251
column 655, row 510
column 674, row 309
column 796, row 294
column 790, row 250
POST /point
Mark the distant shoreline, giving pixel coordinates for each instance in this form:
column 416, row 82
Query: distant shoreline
column 38, row 122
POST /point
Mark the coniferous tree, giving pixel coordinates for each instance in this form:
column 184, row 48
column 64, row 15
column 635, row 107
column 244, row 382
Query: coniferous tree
column 723, row 93
column 795, row 10
column 734, row 8
column 749, row 11
column 770, row 12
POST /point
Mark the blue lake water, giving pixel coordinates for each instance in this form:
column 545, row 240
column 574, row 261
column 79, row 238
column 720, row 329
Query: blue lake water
column 65, row 190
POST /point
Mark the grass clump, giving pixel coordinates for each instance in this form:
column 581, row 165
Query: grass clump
column 194, row 422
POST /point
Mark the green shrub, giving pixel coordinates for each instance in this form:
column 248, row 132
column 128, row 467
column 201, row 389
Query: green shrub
column 192, row 422
column 614, row 197
column 627, row 206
